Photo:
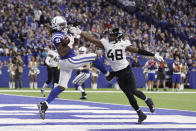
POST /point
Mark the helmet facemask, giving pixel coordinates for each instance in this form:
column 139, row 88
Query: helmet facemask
column 115, row 35
column 59, row 23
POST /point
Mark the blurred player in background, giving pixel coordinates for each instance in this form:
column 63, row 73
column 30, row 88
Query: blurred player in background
column 33, row 72
column 11, row 70
column 115, row 50
column 184, row 70
column 83, row 75
column 176, row 77
column 52, row 62
column 161, row 75
column 64, row 43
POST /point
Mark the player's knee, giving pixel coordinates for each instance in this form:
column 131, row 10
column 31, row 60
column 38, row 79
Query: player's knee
column 133, row 91
column 74, row 82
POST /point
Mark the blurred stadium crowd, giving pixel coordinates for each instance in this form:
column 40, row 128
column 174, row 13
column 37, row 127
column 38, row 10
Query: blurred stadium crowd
column 164, row 26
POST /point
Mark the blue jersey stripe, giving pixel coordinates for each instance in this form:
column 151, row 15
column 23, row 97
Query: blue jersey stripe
column 83, row 58
column 80, row 62
column 80, row 78
column 57, row 36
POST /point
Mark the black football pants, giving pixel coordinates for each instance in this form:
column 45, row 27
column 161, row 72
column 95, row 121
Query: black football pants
column 127, row 83
column 53, row 74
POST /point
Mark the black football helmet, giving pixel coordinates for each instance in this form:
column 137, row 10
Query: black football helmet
column 115, row 35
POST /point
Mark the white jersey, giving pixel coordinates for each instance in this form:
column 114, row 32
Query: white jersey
column 52, row 58
column 116, row 54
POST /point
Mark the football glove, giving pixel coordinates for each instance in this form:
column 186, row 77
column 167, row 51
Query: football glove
column 75, row 31
column 158, row 57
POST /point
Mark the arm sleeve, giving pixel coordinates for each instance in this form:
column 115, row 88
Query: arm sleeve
column 48, row 61
column 144, row 52
column 127, row 43
column 104, row 42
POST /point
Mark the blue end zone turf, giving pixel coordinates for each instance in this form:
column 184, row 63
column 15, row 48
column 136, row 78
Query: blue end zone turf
column 20, row 112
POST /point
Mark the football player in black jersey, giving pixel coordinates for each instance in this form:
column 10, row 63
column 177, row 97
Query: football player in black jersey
column 115, row 48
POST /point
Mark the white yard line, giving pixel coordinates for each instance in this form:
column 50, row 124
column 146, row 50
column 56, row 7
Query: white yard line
column 98, row 91
column 101, row 102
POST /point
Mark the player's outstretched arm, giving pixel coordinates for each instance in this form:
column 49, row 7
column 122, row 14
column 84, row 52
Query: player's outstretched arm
column 76, row 31
column 92, row 39
column 143, row 52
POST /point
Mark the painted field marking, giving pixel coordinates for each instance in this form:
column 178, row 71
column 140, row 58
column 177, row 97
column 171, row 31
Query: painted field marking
column 20, row 113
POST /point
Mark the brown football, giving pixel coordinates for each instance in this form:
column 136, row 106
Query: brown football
column 65, row 41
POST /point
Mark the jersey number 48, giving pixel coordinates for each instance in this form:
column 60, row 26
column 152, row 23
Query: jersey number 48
column 115, row 54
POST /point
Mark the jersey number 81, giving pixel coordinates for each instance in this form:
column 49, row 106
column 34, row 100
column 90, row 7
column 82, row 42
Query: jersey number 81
column 115, row 54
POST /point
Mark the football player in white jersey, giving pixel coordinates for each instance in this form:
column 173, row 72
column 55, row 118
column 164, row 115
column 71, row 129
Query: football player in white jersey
column 115, row 49
column 64, row 43
column 83, row 75
column 52, row 62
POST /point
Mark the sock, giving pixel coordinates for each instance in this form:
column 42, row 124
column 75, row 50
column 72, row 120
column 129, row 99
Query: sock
column 31, row 85
column 10, row 85
column 146, row 86
column 53, row 94
column 35, row 85
column 182, row 86
column 99, row 65
column 146, row 98
column 94, row 86
column 44, row 86
column 80, row 88
column 13, row 85
column 117, row 86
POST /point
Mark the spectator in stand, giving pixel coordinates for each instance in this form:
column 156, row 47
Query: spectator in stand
column 95, row 73
column 18, row 64
column 165, row 25
column 11, row 70
column 33, row 72
column 161, row 74
column 184, row 70
column 1, row 65
column 152, row 67
column 194, row 66
column 190, row 64
column 176, row 77
column 135, row 62
column 145, row 71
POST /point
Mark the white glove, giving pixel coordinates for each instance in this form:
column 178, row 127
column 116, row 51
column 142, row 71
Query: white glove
column 158, row 57
column 75, row 31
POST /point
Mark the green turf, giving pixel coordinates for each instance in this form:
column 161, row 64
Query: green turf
column 101, row 89
column 182, row 101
